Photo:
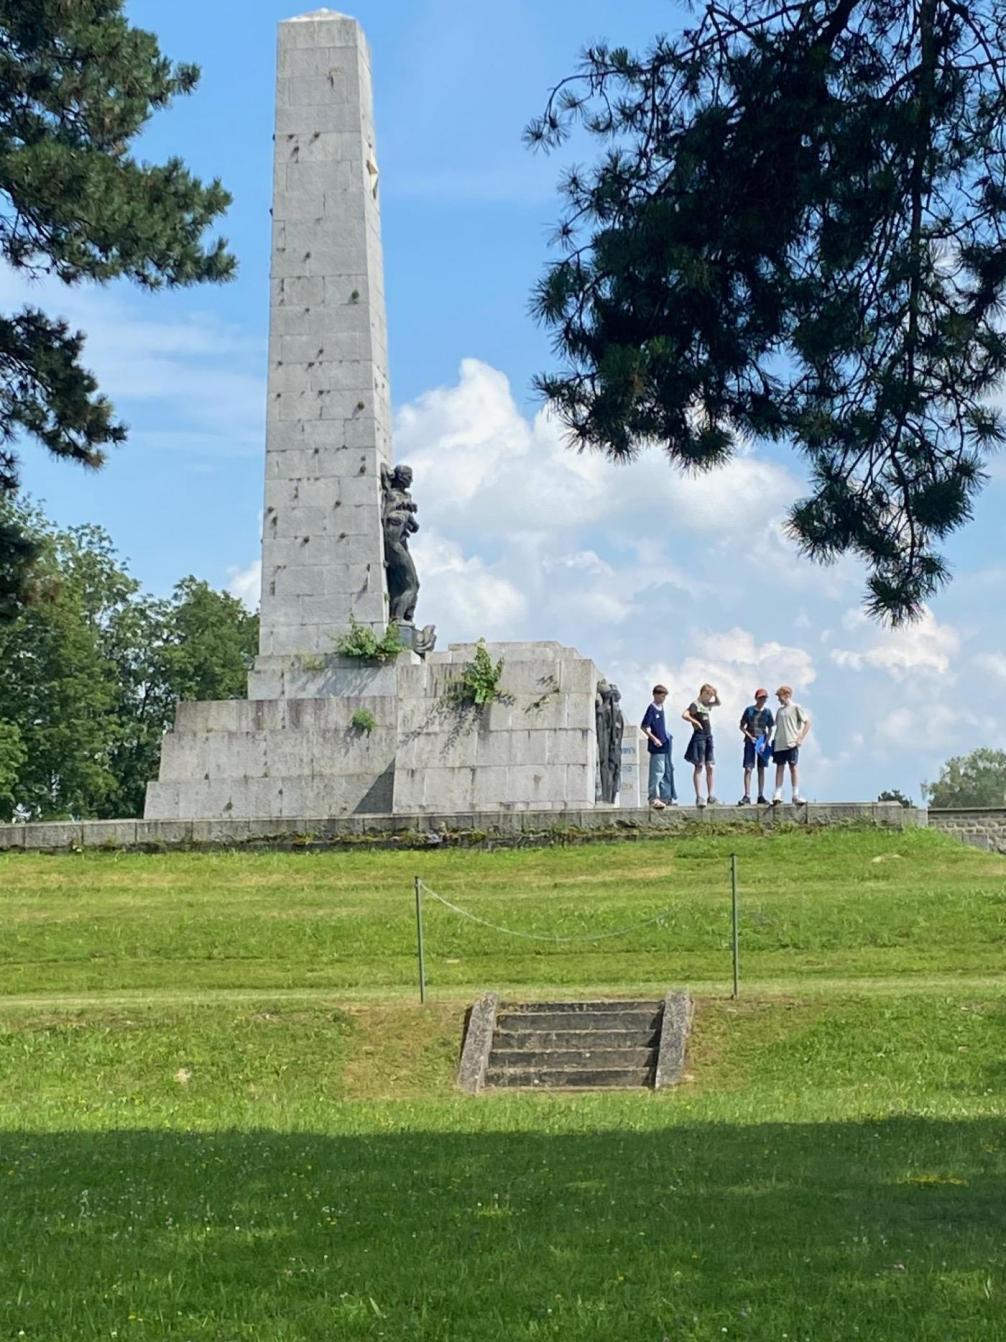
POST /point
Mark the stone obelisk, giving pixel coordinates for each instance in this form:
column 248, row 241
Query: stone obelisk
column 328, row 427
column 324, row 734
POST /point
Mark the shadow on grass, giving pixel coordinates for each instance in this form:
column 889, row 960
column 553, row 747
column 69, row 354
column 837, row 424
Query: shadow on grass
column 882, row 1230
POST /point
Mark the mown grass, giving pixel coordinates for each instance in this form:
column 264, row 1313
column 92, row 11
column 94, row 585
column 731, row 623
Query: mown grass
column 839, row 904
column 220, row 1159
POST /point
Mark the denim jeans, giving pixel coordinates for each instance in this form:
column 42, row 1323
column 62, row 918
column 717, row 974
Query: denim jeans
column 661, row 780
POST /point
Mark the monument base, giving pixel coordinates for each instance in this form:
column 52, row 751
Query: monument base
column 331, row 736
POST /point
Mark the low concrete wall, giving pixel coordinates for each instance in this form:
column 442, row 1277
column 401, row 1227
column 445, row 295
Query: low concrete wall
column 432, row 830
column 983, row 827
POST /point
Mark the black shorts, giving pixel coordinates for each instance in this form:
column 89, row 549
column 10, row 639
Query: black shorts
column 787, row 756
column 700, row 749
column 752, row 758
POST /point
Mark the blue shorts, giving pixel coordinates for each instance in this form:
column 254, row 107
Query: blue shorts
column 787, row 756
column 752, row 758
column 700, row 749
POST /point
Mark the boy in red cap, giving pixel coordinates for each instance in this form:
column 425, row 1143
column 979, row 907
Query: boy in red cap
column 756, row 727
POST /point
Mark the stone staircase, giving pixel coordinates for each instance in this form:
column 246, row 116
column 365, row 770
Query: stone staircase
column 575, row 1045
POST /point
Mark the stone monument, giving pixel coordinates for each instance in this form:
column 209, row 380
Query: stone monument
column 323, row 733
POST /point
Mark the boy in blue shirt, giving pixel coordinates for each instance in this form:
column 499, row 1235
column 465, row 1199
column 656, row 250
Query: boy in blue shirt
column 756, row 727
column 660, row 786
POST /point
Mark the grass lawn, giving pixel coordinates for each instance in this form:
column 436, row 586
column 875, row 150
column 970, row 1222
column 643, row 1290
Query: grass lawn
column 222, row 1115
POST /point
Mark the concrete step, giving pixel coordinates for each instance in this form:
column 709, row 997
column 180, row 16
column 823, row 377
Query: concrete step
column 569, row 1078
column 643, row 1018
column 613, row 1004
column 530, row 1059
column 567, row 1039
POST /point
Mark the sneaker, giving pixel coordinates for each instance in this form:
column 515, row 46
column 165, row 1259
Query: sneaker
column 798, row 801
column 744, row 801
column 699, row 801
column 777, row 799
column 762, row 800
column 657, row 804
column 713, row 801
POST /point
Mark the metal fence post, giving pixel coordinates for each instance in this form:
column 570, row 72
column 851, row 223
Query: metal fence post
column 734, row 924
column 419, row 939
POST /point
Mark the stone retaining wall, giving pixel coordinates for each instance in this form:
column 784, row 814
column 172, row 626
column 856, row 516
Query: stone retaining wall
column 432, row 830
column 983, row 827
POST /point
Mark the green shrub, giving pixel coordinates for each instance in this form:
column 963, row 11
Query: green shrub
column 363, row 720
column 363, row 643
column 479, row 683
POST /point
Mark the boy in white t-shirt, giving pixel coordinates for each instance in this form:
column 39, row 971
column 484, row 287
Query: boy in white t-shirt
column 791, row 727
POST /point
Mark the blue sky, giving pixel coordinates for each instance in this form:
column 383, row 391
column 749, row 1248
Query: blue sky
column 653, row 575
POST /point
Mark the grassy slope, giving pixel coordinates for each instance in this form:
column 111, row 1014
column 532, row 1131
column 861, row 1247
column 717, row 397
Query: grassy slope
column 838, row 905
column 282, row 1167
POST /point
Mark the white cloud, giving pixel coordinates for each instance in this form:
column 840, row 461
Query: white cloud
column 246, row 583
column 205, row 379
column 469, row 599
column 924, row 648
column 992, row 662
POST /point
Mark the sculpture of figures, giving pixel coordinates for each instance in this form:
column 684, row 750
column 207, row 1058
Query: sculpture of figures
column 616, row 730
column 610, row 728
column 602, row 719
column 398, row 516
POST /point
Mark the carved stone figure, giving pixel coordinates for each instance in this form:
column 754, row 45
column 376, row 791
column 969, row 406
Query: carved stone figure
column 616, row 730
column 610, row 727
column 602, row 715
column 398, row 516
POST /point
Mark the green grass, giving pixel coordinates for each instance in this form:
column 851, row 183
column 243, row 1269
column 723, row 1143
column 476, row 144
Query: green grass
column 222, row 1118
column 835, row 904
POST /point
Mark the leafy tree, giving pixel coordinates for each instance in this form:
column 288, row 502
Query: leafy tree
column 978, row 779
column 894, row 794
column 198, row 645
column 91, row 670
column 77, row 84
column 796, row 231
column 12, row 757
column 56, row 684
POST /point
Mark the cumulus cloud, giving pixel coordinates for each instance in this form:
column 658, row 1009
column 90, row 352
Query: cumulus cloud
column 925, row 648
column 246, row 583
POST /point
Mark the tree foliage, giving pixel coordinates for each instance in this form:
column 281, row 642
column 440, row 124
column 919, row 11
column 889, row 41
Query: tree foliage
column 77, row 84
column 894, row 794
column 91, row 669
column 796, row 231
column 978, row 779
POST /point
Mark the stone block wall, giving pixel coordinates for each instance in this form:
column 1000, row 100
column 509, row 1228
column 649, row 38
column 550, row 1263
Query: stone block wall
column 536, row 750
column 980, row 828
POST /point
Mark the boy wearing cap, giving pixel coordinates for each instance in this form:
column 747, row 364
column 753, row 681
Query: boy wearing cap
column 756, row 727
column 660, row 786
column 791, row 727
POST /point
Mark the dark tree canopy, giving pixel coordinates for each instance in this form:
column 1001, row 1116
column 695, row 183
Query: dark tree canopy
column 797, row 232
column 90, row 675
column 978, row 779
column 77, row 84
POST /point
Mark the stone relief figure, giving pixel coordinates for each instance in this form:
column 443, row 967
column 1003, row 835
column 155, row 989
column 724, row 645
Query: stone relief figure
column 610, row 724
column 616, row 729
column 398, row 516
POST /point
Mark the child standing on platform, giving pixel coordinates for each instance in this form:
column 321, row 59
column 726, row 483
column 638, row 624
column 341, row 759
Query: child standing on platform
column 700, row 748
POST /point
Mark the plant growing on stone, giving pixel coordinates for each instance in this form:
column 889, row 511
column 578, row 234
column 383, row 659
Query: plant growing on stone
column 479, row 683
column 361, row 642
column 363, row 721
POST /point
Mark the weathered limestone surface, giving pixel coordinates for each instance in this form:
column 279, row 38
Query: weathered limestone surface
column 329, row 420
column 537, row 750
